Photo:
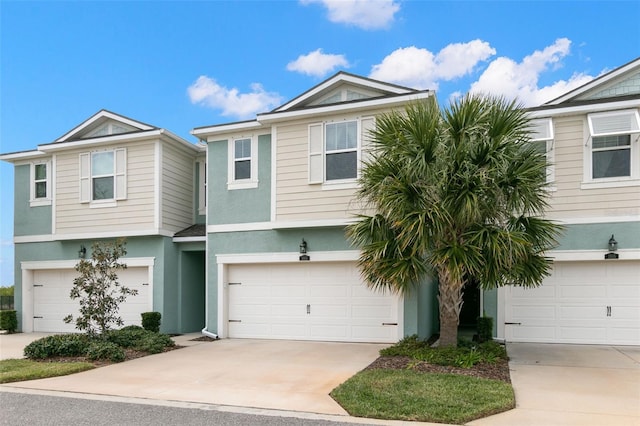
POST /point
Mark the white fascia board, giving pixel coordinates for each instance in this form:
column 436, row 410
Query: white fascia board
column 338, row 79
column 288, row 257
column 122, row 137
column 268, row 226
column 189, row 239
column 182, row 142
column 131, row 262
column 596, row 219
column 98, row 116
column 107, row 234
column 592, row 255
column 584, row 109
column 205, row 132
column 14, row 157
column 395, row 100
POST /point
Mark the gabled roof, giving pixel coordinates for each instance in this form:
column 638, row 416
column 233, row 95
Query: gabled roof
column 102, row 117
column 373, row 88
column 621, row 82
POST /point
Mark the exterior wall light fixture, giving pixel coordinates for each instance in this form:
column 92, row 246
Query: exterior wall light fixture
column 82, row 252
column 303, row 251
column 613, row 246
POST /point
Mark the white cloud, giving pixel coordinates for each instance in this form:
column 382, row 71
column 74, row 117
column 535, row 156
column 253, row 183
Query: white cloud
column 421, row 69
column 206, row 91
column 508, row 78
column 317, row 64
column 365, row 14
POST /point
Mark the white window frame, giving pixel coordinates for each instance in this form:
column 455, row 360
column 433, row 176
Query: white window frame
column 42, row 201
column 252, row 181
column 119, row 178
column 542, row 131
column 317, row 163
column 613, row 123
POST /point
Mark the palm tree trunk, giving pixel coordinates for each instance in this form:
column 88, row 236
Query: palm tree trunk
column 450, row 303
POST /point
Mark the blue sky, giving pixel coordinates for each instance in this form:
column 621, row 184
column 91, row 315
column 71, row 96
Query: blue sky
column 185, row 64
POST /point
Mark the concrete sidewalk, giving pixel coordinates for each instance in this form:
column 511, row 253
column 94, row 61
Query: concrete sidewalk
column 562, row 385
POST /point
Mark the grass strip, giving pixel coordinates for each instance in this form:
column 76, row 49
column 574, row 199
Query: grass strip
column 17, row 370
column 426, row 397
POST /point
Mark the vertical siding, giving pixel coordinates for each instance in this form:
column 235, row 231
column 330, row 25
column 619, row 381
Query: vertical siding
column 133, row 214
column 569, row 200
column 177, row 188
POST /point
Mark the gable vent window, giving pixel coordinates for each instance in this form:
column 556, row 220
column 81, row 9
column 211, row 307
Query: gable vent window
column 612, row 152
column 103, row 176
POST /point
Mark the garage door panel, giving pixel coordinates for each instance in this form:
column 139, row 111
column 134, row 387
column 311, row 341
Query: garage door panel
column 52, row 301
column 584, row 302
column 334, row 299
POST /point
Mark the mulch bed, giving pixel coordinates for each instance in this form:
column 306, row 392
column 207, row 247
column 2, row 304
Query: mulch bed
column 496, row 371
column 129, row 355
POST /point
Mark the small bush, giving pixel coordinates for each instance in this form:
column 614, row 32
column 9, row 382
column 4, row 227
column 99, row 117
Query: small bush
column 127, row 337
column 57, row 345
column 485, row 329
column 151, row 321
column 154, row 343
column 101, row 350
column 9, row 321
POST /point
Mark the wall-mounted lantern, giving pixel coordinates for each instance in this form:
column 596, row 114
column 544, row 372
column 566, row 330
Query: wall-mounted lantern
column 303, row 251
column 82, row 252
column 613, row 246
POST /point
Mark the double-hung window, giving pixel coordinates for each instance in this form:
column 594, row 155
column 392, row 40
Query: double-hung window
column 335, row 150
column 613, row 153
column 243, row 163
column 542, row 140
column 103, row 176
column 40, row 187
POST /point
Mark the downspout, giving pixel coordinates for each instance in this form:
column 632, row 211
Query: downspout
column 204, row 331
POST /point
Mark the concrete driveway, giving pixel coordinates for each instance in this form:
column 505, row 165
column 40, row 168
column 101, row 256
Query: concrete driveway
column 282, row 375
column 572, row 385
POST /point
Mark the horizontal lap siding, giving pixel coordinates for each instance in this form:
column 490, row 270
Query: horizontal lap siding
column 296, row 199
column 134, row 213
column 177, row 189
column 569, row 200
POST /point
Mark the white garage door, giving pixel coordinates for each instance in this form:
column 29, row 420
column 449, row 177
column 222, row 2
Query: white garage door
column 581, row 302
column 51, row 301
column 308, row 301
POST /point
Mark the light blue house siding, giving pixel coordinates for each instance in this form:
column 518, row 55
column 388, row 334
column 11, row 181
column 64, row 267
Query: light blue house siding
column 28, row 220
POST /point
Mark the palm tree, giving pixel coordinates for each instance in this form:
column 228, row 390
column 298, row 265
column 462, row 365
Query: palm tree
column 457, row 194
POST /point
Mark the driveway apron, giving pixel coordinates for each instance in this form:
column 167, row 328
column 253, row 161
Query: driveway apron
column 572, row 385
column 282, row 375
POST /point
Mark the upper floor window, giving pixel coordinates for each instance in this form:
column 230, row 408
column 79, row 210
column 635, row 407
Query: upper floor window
column 40, row 192
column 243, row 163
column 335, row 150
column 612, row 153
column 542, row 140
column 103, row 176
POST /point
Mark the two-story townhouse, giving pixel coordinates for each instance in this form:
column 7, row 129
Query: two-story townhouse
column 282, row 188
column 592, row 138
column 107, row 178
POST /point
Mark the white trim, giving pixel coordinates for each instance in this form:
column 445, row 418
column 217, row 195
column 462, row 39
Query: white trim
column 46, row 200
column 342, row 108
column 600, row 219
column 232, row 127
column 267, row 226
column 122, row 137
column 132, row 262
column 592, row 255
column 157, row 172
column 619, row 182
column 17, row 157
column 92, row 235
column 189, row 239
column 600, row 107
column 98, row 116
column 288, row 257
column 252, row 181
column 274, row 174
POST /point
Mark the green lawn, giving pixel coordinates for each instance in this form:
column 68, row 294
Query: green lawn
column 17, row 370
column 427, row 397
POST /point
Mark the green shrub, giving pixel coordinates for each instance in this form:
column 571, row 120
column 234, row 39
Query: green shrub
column 154, row 343
column 126, row 337
column 151, row 321
column 485, row 329
column 405, row 347
column 9, row 321
column 57, row 345
column 102, row 350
